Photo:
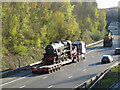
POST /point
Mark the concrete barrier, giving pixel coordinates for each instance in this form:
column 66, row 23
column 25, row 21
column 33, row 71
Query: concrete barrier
column 94, row 43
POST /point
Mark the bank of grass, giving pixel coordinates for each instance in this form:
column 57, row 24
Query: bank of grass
column 109, row 79
column 10, row 61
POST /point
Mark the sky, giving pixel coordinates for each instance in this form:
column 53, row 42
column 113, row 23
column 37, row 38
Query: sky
column 107, row 3
column 101, row 3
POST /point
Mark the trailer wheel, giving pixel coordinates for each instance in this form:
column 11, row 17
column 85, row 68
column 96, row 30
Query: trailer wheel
column 51, row 70
column 56, row 68
column 59, row 67
column 79, row 58
column 84, row 57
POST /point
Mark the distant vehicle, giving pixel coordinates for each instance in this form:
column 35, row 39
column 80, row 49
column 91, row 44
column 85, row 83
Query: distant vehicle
column 107, row 59
column 107, row 42
column 116, row 28
column 117, row 51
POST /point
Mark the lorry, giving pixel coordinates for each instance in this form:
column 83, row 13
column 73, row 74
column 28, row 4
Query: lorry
column 60, row 53
column 107, row 42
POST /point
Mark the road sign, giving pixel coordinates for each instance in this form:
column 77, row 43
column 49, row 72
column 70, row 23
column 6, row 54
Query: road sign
column 19, row 63
column 19, row 60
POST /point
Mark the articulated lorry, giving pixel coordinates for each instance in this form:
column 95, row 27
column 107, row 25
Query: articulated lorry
column 60, row 53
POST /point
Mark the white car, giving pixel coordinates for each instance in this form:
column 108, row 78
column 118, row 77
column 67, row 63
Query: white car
column 107, row 59
column 117, row 51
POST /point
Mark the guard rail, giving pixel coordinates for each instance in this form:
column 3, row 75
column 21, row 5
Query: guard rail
column 89, row 84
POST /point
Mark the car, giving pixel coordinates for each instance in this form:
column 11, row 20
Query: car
column 107, row 59
column 117, row 51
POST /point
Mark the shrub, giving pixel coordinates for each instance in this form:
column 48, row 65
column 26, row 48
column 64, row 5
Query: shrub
column 96, row 36
column 21, row 50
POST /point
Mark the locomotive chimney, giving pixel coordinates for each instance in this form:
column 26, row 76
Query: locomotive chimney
column 50, row 42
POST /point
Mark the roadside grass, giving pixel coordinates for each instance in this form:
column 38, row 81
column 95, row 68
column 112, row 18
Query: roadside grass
column 109, row 79
column 10, row 61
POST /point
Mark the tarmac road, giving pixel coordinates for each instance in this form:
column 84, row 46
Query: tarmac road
column 70, row 75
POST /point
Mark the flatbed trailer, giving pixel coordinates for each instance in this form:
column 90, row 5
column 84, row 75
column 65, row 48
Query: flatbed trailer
column 50, row 68
column 41, row 69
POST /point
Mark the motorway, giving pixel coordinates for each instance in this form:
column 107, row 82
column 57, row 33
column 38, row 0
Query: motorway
column 70, row 76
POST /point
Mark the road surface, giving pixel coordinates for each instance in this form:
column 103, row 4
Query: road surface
column 70, row 76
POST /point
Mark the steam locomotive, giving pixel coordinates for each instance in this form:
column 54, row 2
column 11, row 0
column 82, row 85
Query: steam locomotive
column 61, row 50
column 60, row 53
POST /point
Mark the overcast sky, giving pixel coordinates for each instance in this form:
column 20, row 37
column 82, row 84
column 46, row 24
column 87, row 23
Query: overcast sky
column 107, row 3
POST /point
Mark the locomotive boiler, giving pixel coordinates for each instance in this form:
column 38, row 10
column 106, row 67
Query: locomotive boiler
column 57, row 51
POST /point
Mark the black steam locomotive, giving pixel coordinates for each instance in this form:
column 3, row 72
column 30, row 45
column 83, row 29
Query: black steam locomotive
column 57, row 52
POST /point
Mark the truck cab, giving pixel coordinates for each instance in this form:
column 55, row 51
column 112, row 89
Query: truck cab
column 81, row 47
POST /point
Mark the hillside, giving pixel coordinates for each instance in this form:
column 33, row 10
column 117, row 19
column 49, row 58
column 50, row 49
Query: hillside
column 27, row 27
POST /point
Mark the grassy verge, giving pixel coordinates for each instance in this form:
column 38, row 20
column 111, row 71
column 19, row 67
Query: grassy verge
column 110, row 78
column 10, row 61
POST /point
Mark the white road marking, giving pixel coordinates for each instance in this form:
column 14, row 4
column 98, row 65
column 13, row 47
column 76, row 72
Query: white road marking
column 93, row 56
column 16, row 80
column 22, row 86
column 84, row 69
column 44, row 77
column 50, row 86
column 84, row 60
column 70, row 77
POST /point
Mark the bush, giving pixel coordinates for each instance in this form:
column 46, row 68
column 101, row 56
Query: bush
column 96, row 36
column 4, row 50
column 21, row 50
